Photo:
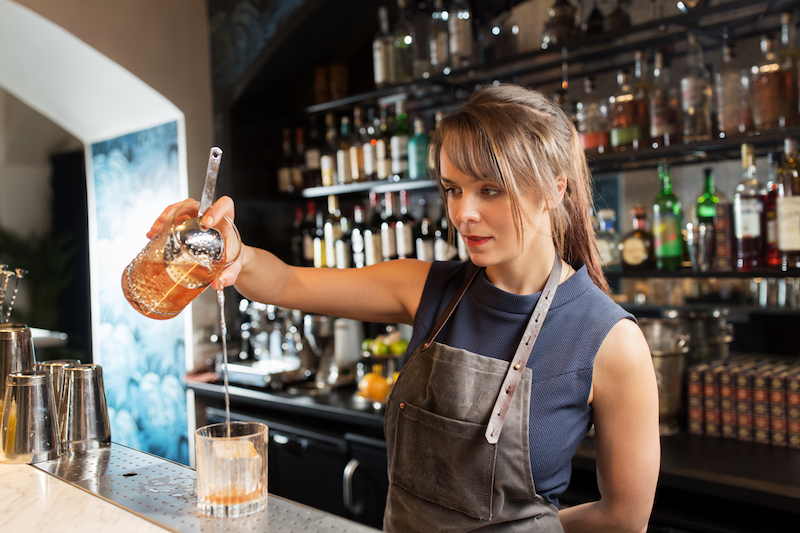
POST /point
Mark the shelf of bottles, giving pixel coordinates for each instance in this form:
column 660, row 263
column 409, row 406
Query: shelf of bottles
column 650, row 119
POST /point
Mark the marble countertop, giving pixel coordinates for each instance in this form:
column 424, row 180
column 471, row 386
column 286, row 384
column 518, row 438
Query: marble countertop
column 123, row 490
column 32, row 500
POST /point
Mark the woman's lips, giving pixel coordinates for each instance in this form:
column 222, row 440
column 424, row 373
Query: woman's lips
column 474, row 240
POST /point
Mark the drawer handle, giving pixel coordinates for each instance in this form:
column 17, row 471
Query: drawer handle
column 347, row 486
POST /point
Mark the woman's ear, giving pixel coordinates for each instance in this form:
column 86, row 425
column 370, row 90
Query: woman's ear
column 561, row 185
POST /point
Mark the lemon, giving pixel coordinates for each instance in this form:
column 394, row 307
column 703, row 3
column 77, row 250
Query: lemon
column 365, row 344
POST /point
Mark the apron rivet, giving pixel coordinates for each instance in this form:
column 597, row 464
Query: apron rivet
column 402, row 405
column 516, row 367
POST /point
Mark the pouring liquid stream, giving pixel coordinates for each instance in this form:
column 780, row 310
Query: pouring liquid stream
column 223, row 334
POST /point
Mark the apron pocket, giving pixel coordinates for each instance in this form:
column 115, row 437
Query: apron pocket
column 456, row 468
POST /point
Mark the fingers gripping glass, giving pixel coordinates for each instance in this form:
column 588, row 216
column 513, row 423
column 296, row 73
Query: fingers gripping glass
column 179, row 263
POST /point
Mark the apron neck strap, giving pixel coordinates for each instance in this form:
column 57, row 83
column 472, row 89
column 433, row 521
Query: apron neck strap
column 450, row 308
column 517, row 365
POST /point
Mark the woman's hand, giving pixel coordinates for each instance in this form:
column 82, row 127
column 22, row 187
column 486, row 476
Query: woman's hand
column 220, row 209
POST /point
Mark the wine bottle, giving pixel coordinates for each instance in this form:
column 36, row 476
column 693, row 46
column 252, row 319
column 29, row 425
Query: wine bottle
column 748, row 215
column 788, row 207
column 404, row 228
column 383, row 56
column 418, row 151
column 389, row 229
column 668, row 241
column 373, row 251
column 696, row 94
column 636, row 246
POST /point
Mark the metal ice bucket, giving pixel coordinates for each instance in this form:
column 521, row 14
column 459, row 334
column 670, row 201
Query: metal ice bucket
column 668, row 339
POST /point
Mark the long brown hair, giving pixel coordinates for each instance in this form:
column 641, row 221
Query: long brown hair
column 522, row 140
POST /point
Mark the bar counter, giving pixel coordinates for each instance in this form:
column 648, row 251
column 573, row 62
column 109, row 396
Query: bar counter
column 123, row 490
column 706, row 484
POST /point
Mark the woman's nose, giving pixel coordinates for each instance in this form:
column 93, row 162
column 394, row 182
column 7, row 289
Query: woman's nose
column 466, row 210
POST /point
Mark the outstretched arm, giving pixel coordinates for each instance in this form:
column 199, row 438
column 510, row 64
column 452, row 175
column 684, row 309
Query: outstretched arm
column 386, row 292
column 625, row 402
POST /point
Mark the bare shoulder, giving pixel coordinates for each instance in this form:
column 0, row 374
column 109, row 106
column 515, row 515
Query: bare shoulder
column 623, row 358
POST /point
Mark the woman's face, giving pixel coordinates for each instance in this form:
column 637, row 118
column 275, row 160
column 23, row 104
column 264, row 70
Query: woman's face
column 481, row 211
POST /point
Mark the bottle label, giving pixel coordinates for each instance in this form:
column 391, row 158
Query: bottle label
column 308, row 249
column 326, row 169
column 357, row 247
column 388, row 242
column 442, row 251
column 634, row 251
column 608, row 253
column 313, row 156
column 788, row 223
column 399, row 149
column 425, row 250
column 747, row 217
column 405, row 240
column 383, row 163
column 692, row 92
column 625, row 136
column 343, row 172
column 342, row 254
column 369, row 159
column 356, row 162
column 380, row 66
column 372, row 248
column 285, row 179
column 667, row 236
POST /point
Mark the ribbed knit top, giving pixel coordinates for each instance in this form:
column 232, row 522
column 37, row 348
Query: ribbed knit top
column 490, row 322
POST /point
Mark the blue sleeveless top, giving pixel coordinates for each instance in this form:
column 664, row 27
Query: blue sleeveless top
column 490, row 322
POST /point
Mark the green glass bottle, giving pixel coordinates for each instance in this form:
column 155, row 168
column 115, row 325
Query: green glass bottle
column 707, row 203
column 667, row 224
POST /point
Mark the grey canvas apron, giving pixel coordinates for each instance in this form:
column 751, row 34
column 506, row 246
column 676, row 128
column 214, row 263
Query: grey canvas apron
column 451, row 468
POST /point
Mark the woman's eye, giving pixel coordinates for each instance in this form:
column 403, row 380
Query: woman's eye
column 450, row 191
column 491, row 192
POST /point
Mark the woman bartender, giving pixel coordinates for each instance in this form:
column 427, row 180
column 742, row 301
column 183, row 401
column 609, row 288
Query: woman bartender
column 515, row 353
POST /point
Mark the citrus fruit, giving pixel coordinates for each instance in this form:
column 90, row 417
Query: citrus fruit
column 398, row 347
column 374, row 387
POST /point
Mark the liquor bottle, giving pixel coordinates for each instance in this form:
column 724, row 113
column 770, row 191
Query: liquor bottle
column 788, row 206
column 357, row 170
column 789, row 55
column 443, row 250
column 772, row 255
column 508, row 45
column 626, row 130
column 332, row 230
column 767, row 87
column 320, row 259
column 418, row 151
column 368, row 144
column 642, row 89
column 312, row 175
column 696, row 94
column 404, row 228
column 404, row 44
column 707, row 202
column 389, row 229
column 296, row 237
column 383, row 55
column 299, row 159
column 309, row 231
column 383, row 157
column 357, row 237
column 439, row 39
column 664, row 103
column 399, row 142
column 344, row 172
column 425, row 239
column 733, row 96
column 285, row 183
column 372, row 233
column 422, row 54
column 328, row 160
column 608, row 240
column 636, row 246
column 343, row 244
column 592, row 118
column 723, row 235
column 460, row 29
column 748, row 215
column 668, row 242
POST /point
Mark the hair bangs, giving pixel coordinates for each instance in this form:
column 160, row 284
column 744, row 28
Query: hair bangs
column 468, row 148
